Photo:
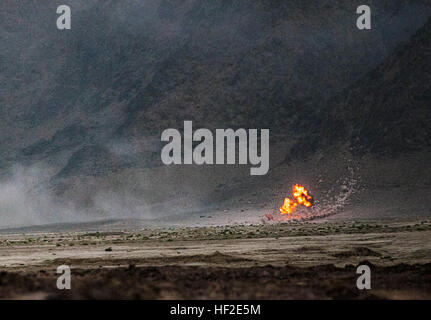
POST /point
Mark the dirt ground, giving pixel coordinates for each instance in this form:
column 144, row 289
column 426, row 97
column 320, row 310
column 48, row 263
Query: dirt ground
column 295, row 260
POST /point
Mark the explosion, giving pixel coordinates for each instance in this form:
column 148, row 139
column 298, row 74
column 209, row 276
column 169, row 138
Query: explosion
column 300, row 194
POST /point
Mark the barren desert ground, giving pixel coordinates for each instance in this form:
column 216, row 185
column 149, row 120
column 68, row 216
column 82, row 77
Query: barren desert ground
column 295, row 260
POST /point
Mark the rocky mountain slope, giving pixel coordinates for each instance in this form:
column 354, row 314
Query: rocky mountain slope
column 90, row 103
column 387, row 112
column 126, row 72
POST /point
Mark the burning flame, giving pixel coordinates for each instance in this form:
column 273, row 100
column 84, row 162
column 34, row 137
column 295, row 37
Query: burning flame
column 300, row 194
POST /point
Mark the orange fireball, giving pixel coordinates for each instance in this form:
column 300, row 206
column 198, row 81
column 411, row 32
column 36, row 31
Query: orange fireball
column 288, row 206
column 300, row 194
